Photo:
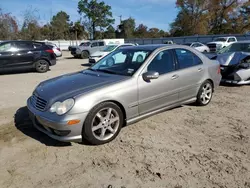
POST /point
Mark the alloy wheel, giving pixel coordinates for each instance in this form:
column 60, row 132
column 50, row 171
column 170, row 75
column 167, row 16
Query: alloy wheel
column 206, row 94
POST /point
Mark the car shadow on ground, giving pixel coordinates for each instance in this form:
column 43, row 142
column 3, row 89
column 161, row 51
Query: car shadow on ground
column 21, row 71
column 23, row 123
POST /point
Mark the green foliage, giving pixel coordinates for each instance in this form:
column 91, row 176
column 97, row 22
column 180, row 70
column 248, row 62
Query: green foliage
column 98, row 14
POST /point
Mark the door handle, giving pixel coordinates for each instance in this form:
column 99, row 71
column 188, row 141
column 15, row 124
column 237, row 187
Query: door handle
column 200, row 69
column 175, row 77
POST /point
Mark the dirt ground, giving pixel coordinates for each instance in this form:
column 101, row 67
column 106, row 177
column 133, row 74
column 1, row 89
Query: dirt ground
column 186, row 147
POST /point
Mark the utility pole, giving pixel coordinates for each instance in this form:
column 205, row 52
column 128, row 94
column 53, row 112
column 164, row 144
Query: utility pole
column 120, row 19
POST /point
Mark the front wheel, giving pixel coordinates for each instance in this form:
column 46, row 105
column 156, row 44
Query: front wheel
column 103, row 123
column 205, row 94
column 84, row 55
column 42, row 66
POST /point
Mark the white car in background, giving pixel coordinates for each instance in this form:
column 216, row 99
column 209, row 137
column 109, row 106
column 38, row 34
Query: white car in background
column 109, row 48
column 198, row 46
column 56, row 49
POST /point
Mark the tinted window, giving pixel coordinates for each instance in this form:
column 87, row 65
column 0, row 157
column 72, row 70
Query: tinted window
column 6, row 47
column 94, row 44
column 101, row 43
column 231, row 40
column 37, row 45
column 162, row 63
column 186, row 58
column 196, row 45
column 24, row 45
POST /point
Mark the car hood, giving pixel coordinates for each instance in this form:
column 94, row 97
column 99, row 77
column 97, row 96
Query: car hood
column 71, row 85
column 231, row 58
column 99, row 53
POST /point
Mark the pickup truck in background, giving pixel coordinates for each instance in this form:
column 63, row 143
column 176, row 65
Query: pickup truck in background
column 220, row 43
column 90, row 47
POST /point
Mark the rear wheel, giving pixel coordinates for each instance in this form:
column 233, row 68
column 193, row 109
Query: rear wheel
column 42, row 66
column 205, row 94
column 103, row 123
column 85, row 54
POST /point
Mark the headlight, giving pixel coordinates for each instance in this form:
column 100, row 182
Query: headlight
column 219, row 45
column 62, row 107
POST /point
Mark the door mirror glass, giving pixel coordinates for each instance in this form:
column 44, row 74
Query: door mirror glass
column 150, row 75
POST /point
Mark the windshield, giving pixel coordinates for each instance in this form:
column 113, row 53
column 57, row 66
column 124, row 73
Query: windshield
column 122, row 62
column 85, row 44
column 110, row 48
column 220, row 39
column 236, row 47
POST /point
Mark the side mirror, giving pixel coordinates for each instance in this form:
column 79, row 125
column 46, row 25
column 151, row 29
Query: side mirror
column 150, row 75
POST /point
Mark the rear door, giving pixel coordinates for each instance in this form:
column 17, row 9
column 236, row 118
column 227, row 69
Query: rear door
column 94, row 47
column 25, row 55
column 101, row 45
column 190, row 73
column 7, row 55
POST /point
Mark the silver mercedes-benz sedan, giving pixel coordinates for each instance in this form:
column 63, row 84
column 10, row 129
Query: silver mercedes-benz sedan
column 123, row 87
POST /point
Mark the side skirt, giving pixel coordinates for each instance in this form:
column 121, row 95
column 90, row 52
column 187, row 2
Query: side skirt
column 141, row 117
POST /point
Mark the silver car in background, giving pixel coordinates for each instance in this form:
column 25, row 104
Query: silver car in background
column 126, row 86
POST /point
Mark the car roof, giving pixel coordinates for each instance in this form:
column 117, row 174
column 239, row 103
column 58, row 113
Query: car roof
column 153, row 47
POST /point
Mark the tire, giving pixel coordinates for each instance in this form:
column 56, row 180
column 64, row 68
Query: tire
column 205, row 51
column 205, row 94
column 42, row 66
column 98, row 129
column 84, row 55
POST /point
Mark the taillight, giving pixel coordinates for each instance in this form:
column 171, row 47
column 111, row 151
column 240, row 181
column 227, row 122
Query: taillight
column 50, row 51
column 219, row 70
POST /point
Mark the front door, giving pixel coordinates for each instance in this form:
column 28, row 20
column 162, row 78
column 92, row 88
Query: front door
column 161, row 92
column 7, row 55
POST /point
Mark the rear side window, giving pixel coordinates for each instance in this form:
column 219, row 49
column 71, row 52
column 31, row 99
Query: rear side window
column 94, row 44
column 24, row 45
column 37, row 45
column 187, row 59
column 101, row 43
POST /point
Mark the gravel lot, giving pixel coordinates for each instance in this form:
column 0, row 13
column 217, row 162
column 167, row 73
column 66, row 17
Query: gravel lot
column 185, row 147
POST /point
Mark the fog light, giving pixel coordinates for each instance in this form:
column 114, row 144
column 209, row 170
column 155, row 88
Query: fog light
column 62, row 133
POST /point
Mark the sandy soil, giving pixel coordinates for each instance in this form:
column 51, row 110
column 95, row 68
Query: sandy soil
column 185, row 147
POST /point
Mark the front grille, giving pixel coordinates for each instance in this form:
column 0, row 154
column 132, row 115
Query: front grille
column 38, row 102
column 212, row 47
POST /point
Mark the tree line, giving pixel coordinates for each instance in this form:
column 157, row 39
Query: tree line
column 195, row 17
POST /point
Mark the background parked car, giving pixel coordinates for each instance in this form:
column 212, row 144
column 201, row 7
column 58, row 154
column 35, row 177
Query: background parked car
column 25, row 55
column 235, row 63
column 118, row 91
column 198, row 46
column 110, row 48
column 220, row 43
column 56, row 49
column 91, row 47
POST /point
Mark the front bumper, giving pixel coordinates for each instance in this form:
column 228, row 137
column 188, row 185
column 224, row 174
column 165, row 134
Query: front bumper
column 56, row 126
column 242, row 82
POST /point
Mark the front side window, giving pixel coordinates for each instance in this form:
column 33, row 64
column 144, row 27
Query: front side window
column 186, row 58
column 7, row 47
column 122, row 62
column 231, row 40
column 163, row 63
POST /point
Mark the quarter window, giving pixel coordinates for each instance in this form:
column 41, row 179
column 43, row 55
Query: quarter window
column 186, row 58
column 163, row 63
